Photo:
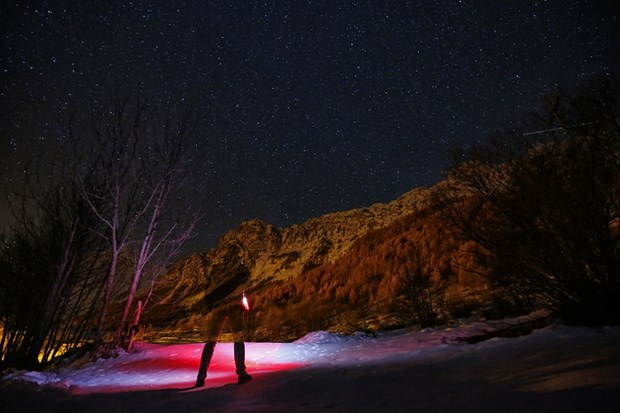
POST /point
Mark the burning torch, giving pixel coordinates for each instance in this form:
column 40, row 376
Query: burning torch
column 245, row 305
column 244, row 302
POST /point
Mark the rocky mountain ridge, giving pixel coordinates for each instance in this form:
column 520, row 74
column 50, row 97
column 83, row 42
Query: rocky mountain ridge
column 256, row 252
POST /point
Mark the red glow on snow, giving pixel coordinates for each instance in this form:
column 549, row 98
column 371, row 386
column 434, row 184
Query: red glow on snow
column 155, row 367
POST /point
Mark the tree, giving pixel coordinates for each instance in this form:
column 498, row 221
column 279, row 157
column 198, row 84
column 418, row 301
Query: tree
column 108, row 201
column 165, row 174
column 47, row 290
column 544, row 201
column 138, row 157
column 422, row 296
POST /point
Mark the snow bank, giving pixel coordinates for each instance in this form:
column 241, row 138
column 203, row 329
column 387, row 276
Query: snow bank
column 154, row 366
column 323, row 337
column 556, row 368
column 40, row 378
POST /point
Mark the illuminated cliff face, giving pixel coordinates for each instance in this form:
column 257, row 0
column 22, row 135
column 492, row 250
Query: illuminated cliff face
column 256, row 251
column 340, row 263
column 283, row 253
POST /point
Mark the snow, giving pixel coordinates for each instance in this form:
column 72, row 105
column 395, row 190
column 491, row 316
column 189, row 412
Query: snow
column 432, row 369
column 320, row 337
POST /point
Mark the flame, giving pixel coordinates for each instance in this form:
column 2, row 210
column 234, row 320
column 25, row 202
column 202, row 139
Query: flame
column 244, row 303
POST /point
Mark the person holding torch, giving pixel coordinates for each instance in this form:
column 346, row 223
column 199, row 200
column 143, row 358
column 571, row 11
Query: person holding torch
column 237, row 324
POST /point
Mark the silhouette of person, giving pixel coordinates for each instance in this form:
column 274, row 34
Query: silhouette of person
column 236, row 317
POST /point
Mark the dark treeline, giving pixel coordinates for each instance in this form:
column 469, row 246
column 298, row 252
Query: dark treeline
column 91, row 227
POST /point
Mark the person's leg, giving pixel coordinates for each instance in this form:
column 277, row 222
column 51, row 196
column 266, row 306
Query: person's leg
column 239, row 348
column 205, row 359
column 207, row 351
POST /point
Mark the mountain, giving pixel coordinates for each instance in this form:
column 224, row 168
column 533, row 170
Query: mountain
column 257, row 252
column 342, row 271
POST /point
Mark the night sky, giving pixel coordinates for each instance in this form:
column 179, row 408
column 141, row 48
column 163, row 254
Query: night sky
column 305, row 107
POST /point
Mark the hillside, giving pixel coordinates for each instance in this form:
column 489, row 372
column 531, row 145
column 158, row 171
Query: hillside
column 340, row 271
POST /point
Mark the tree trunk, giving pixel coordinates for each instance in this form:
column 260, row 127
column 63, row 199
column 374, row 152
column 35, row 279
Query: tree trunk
column 109, row 286
column 134, row 326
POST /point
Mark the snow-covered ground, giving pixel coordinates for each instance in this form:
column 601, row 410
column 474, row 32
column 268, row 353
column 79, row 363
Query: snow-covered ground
column 556, row 368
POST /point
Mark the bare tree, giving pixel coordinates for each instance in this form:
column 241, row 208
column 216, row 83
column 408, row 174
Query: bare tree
column 46, row 289
column 544, row 200
column 162, row 233
column 136, row 153
column 422, row 295
column 106, row 150
column 75, row 224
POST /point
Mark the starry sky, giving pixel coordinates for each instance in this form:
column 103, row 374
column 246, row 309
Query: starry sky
column 305, row 107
